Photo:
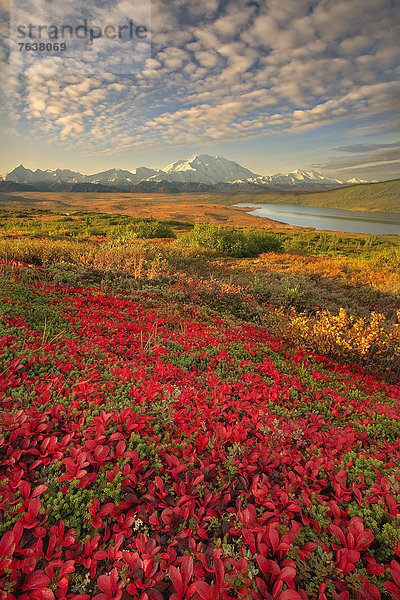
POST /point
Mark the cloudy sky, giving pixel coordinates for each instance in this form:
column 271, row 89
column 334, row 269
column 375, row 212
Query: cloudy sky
column 273, row 84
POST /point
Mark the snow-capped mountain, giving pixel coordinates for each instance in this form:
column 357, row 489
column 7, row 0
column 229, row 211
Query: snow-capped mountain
column 305, row 177
column 355, row 180
column 302, row 179
column 204, row 169
column 200, row 169
column 115, row 176
column 22, row 175
column 121, row 176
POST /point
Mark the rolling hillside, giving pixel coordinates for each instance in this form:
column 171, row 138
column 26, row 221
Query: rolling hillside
column 382, row 196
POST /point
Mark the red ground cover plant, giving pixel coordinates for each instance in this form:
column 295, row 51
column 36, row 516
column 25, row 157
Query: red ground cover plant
column 153, row 456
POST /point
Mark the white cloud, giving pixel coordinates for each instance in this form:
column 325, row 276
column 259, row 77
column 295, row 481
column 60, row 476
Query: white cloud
column 227, row 75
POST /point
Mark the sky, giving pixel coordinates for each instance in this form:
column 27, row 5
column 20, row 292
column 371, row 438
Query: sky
column 274, row 85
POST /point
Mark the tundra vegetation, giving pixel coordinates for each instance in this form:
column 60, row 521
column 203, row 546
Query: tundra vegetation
column 197, row 412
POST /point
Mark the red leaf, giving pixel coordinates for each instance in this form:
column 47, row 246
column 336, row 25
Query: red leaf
column 395, row 571
column 176, row 579
column 309, row 547
column 290, row 595
column 287, row 574
column 365, row 539
column 187, row 570
column 104, row 584
column 106, row 510
column 338, row 532
column 45, row 594
column 37, row 581
column 203, row 589
column 263, row 564
column 67, row 567
column 273, row 538
column 393, row 589
column 34, row 507
column 39, row 490
column 278, row 585
column 7, row 545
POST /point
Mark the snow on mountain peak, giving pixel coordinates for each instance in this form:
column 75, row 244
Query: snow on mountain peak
column 203, row 168
column 200, row 168
column 356, row 180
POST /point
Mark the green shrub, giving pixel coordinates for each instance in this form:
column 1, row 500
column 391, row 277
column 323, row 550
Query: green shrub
column 148, row 229
column 235, row 242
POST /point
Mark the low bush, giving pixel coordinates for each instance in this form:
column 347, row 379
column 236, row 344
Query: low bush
column 88, row 225
column 235, row 242
column 371, row 343
column 148, row 229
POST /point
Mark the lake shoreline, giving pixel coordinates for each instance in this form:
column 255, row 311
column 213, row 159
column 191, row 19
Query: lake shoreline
column 328, row 219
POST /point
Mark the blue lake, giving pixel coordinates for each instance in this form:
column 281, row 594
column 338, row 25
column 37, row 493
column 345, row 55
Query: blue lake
column 329, row 219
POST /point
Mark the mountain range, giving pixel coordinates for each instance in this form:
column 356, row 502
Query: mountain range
column 199, row 173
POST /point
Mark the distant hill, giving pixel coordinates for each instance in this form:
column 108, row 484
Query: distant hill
column 12, row 186
column 382, row 196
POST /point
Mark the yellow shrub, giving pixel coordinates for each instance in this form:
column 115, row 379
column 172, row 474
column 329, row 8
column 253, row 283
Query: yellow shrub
column 373, row 343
